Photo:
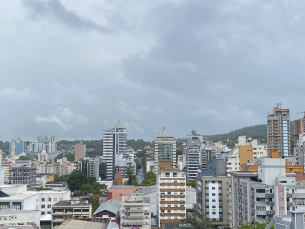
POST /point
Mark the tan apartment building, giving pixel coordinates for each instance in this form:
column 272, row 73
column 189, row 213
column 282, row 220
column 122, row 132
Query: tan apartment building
column 171, row 194
column 135, row 211
column 278, row 136
column 69, row 209
column 299, row 128
column 80, row 151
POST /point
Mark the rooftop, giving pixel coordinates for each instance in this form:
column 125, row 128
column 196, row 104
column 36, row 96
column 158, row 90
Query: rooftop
column 110, row 205
column 79, row 224
column 121, row 187
column 16, row 212
column 69, row 202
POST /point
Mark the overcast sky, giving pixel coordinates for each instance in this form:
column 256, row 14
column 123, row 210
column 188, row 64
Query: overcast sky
column 73, row 68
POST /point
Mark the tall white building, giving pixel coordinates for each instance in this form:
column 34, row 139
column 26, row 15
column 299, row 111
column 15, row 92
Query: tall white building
column 114, row 143
column 300, row 150
column 165, row 149
column 193, row 155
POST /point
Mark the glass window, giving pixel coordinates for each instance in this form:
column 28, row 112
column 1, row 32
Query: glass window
column 61, row 199
column 49, row 199
column 55, row 199
column 43, row 199
column 42, row 206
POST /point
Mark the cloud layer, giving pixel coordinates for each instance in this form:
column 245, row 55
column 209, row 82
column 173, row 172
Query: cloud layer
column 72, row 69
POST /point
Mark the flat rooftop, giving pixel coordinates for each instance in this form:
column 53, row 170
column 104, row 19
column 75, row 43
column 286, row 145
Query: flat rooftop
column 121, row 187
column 80, row 224
column 16, row 212
column 71, row 202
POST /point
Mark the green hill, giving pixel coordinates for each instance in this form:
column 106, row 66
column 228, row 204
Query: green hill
column 256, row 131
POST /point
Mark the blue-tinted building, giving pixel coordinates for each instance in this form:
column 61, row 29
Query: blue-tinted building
column 17, row 147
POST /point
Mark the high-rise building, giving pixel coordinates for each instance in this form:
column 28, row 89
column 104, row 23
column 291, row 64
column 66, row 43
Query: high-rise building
column 299, row 128
column 114, row 144
column 171, row 194
column 212, row 193
column 300, row 150
column 17, row 147
column 193, row 155
column 135, row 211
column 278, row 136
column 165, row 149
column 24, row 175
column 80, row 151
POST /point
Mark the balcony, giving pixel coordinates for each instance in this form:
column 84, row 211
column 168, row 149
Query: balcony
column 135, row 210
column 289, row 195
column 133, row 223
column 269, row 195
column 271, row 212
column 289, row 203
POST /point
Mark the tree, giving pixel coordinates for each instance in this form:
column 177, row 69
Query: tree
column 198, row 221
column 255, row 225
column 76, row 180
column 191, row 183
column 149, row 179
column 95, row 201
column 86, row 188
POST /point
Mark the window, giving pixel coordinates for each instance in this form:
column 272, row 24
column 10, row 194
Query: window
column 213, row 206
column 168, row 205
column 146, row 213
column 213, row 200
column 55, row 199
column 49, row 213
column 43, row 213
column 162, row 211
column 175, row 181
column 213, row 194
column 169, row 211
column 43, row 199
column 213, row 188
column 49, row 205
column 61, row 199
column 49, row 199
column 43, row 206
column 214, row 213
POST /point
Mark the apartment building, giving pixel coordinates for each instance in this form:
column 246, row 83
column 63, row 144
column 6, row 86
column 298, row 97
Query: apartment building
column 114, row 143
column 165, row 149
column 11, row 218
column 135, row 211
column 245, row 152
column 278, row 135
column 80, row 151
column 212, row 192
column 299, row 128
column 171, row 194
column 258, row 196
column 47, row 198
column 64, row 210
column 24, row 175
column 181, row 162
column 300, row 150
column 193, row 155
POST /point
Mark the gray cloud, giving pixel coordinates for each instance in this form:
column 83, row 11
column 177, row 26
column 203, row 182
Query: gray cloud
column 212, row 66
column 55, row 11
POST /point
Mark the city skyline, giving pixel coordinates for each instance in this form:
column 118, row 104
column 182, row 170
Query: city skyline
column 74, row 69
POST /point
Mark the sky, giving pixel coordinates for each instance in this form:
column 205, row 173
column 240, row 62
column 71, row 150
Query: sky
column 73, row 68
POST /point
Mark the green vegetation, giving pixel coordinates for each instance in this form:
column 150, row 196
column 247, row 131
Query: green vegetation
column 63, row 178
column 138, row 144
column 26, row 158
column 192, row 183
column 76, row 180
column 149, row 179
column 198, row 221
column 69, row 156
column 255, row 225
column 95, row 201
column 132, row 180
column 179, row 148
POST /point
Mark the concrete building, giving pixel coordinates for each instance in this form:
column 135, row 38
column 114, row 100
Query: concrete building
column 118, row 191
column 261, row 195
column 193, row 155
column 19, row 217
column 300, row 150
column 125, row 166
column 63, row 210
column 114, row 144
column 135, row 211
column 278, row 135
column 80, row 151
column 171, row 194
column 212, row 193
column 24, row 175
column 181, row 162
column 244, row 152
column 165, row 149
column 299, row 128
column 47, row 198
column 293, row 221
column 43, row 156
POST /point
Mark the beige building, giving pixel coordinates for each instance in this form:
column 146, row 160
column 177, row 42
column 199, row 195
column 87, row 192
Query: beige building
column 135, row 211
column 80, row 151
column 299, row 128
column 245, row 152
column 69, row 209
column 165, row 149
column 278, row 135
column 214, row 199
column 171, row 185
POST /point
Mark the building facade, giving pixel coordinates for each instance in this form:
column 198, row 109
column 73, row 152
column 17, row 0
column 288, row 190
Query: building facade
column 278, row 134
column 165, row 149
column 300, row 150
column 259, row 196
column 135, row 211
column 24, row 175
column 193, row 156
column 171, row 185
column 299, row 128
column 17, row 147
column 114, row 143
column 80, row 151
